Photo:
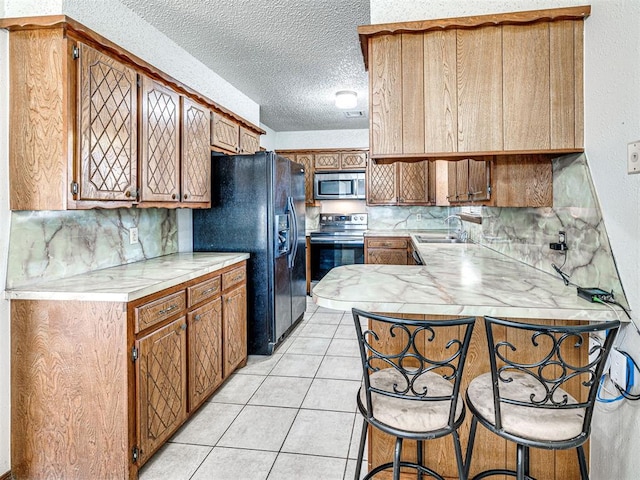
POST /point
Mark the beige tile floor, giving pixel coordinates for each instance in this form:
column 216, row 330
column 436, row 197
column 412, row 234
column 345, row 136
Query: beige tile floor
column 290, row 416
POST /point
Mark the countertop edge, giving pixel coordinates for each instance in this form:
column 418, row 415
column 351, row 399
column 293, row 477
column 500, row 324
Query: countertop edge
column 149, row 287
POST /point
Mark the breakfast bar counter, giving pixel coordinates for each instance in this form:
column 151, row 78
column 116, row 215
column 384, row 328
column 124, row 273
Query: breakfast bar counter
column 459, row 279
column 462, row 280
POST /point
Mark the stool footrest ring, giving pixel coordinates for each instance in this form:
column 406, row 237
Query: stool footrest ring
column 491, row 473
column 389, row 465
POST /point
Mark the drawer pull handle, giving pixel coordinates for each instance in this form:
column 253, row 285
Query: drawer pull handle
column 237, row 278
column 209, row 290
column 170, row 308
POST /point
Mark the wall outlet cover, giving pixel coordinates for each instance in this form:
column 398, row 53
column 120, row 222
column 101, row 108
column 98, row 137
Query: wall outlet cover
column 133, row 235
column 618, row 368
column 633, row 157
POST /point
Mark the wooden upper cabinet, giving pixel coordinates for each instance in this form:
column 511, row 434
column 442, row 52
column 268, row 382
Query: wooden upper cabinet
column 229, row 136
column 249, row 142
column 336, row 160
column 196, row 153
column 107, row 122
column 479, row 77
column 469, row 181
column 491, row 84
column 401, row 184
column 306, row 160
column 84, row 134
column 353, row 160
column 160, row 143
column 327, row 161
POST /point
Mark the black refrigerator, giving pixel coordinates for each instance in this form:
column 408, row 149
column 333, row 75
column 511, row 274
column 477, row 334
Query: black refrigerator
column 258, row 206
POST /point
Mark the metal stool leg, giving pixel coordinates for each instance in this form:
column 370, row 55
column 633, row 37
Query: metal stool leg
column 526, row 461
column 396, row 459
column 419, row 457
column 363, row 439
column 462, row 472
column 472, row 438
column 520, row 462
column 584, row 473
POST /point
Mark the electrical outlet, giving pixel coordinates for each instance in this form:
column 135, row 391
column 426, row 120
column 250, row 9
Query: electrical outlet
column 418, row 217
column 633, row 157
column 133, row 235
column 618, row 368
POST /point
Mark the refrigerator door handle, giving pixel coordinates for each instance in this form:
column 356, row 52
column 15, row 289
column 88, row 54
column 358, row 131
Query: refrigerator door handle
column 293, row 236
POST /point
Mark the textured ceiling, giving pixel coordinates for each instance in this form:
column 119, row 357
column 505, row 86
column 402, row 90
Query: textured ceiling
column 289, row 56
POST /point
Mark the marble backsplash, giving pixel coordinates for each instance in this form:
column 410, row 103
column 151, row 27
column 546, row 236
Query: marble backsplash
column 409, row 218
column 525, row 233
column 48, row 245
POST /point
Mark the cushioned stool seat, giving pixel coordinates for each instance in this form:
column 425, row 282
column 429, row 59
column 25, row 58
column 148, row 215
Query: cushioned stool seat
column 527, row 422
column 411, row 416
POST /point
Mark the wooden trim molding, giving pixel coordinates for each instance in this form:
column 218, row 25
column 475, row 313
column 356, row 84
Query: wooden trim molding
column 512, row 18
column 78, row 31
column 6, row 476
column 453, row 156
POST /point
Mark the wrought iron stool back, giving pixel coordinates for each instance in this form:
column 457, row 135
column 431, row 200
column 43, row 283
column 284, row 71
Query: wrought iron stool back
column 412, row 371
column 541, row 389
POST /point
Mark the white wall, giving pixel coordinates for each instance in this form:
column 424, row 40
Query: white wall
column 316, row 139
column 612, row 119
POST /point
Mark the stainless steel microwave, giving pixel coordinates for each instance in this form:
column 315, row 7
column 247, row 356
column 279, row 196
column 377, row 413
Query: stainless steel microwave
column 338, row 186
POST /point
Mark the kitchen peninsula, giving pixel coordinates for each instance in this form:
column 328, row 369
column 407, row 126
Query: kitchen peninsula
column 459, row 280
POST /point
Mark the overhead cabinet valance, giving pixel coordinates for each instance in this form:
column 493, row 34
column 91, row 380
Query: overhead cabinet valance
column 484, row 85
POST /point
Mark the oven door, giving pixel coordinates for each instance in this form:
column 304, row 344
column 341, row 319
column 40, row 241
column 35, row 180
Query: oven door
column 328, row 253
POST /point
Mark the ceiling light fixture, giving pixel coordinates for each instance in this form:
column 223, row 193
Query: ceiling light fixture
column 346, row 99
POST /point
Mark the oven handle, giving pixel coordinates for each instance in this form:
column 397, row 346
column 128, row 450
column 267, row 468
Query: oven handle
column 333, row 241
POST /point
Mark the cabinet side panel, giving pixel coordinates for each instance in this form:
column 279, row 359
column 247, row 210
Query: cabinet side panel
column 38, row 109
column 69, row 390
column 385, row 76
column 413, row 113
column 578, row 58
column 562, row 84
column 440, row 95
column 479, row 77
column 526, row 87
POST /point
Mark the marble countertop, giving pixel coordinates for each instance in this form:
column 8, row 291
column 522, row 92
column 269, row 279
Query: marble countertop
column 128, row 282
column 457, row 279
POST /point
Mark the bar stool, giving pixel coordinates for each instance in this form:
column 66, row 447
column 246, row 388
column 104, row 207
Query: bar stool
column 527, row 401
column 412, row 373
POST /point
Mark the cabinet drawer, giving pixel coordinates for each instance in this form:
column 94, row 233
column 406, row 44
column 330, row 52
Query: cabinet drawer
column 233, row 277
column 387, row 243
column 203, row 291
column 154, row 312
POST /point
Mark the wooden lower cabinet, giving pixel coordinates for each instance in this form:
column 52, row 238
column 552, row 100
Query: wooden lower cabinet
column 490, row 451
column 388, row 251
column 235, row 329
column 98, row 387
column 161, row 381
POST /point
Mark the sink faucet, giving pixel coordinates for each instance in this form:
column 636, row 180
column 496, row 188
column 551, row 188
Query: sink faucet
column 461, row 233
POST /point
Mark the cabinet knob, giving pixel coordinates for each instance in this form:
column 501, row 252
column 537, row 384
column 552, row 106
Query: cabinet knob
column 127, row 194
column 173, row 196
column 186, row 196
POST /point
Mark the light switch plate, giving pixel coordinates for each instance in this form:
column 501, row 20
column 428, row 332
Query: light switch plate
column 633, row 157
